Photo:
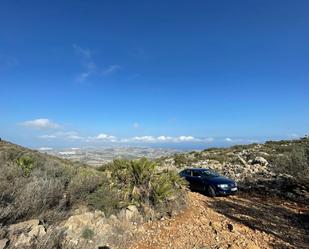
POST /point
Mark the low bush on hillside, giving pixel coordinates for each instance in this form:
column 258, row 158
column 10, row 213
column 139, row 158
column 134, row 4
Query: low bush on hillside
column 35, row 185
column 293, row 161
column 181, row 160
column 138, row 182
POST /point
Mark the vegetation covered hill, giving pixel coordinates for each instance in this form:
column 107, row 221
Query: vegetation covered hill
column 38, row 186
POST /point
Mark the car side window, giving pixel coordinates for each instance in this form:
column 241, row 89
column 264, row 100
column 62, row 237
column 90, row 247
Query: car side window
column 188, row 172
column 196, row 173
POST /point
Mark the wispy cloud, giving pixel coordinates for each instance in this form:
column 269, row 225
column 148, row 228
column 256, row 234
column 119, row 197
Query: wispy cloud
column 65, row 135
column 90, row 67
column 111, row 69
column 227, row 139
column 47, row 136
column 84, row 52
column 40, row 123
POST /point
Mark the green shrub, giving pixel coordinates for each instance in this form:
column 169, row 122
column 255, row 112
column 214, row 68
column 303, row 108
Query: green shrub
column 181, row 160
column 105, row 198
column 294, row 162
column 162, row 189
column 140, row 183
column 87, row 233
column 84, row 182
column 26, row 163
column 222, row 158
column 136, row 182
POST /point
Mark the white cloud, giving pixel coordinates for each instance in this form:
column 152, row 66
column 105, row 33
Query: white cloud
column 103, row 137
column 144, row 139
column 64, row 135
column 111, row 69
column 161, row 139
column 47, row 136
column 186, row 138
column 45, row 148
column 41, row 123
column 228, row 139
column 164, row 138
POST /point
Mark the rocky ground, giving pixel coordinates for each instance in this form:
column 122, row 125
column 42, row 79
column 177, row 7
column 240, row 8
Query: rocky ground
column 229, row 222
column 240, row 221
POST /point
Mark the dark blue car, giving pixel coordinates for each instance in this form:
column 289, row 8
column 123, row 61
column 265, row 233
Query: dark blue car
column 208, row 181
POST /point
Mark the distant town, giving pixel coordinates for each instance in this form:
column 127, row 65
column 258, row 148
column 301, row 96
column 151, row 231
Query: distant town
column 99, row 156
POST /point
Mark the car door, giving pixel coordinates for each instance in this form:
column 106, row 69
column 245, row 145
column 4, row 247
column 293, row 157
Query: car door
column 187, row 175
column 197, row 180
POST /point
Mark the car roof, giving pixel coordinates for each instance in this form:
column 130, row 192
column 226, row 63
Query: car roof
column 197, row 169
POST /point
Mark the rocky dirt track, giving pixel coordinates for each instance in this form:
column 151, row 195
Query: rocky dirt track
column 240, row 221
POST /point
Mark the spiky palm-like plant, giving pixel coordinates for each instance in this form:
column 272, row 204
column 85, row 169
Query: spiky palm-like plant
column 26, row 163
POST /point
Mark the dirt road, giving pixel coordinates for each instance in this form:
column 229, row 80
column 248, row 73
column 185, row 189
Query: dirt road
column 241, row 221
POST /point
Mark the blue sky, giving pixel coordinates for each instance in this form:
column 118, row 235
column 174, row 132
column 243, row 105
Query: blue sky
column 151, row 73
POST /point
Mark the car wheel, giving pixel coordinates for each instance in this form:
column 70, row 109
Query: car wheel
column 211, row 191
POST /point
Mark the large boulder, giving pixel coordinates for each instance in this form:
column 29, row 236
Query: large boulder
column 3, row 243
column 130, row 213
column 24, row 234
column 260, row 160
column 76, row 223
column 91, row 226
column 23, row 226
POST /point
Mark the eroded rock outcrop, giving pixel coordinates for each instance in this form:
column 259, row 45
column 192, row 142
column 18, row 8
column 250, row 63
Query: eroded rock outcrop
column 24, row 234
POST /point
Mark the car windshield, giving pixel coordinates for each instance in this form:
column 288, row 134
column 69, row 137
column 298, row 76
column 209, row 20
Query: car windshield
column 209, row 173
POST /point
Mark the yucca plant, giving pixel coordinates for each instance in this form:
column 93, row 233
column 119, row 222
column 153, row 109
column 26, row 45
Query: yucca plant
column 141, row 171
column 162, row 189
column 26, row 163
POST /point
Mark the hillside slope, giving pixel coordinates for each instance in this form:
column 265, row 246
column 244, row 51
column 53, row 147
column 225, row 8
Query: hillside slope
column 48, row 202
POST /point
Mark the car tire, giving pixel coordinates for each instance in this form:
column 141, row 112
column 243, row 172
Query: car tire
column 211, row 191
